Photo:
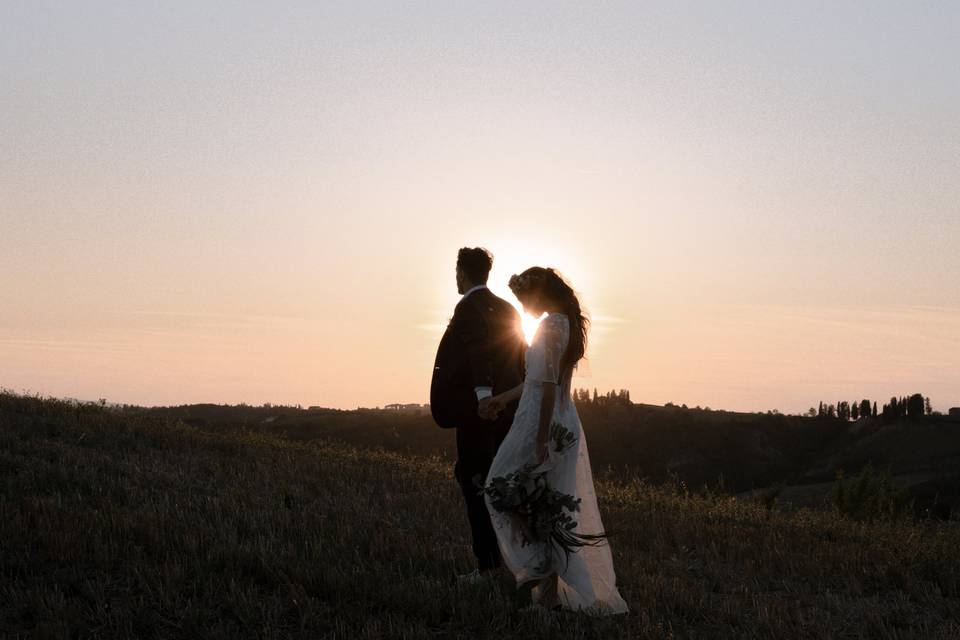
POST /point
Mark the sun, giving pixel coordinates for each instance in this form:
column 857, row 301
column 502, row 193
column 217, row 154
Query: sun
column 530, row 325
column 513, row 254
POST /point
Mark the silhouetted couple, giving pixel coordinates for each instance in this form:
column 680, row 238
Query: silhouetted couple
column 514, row 417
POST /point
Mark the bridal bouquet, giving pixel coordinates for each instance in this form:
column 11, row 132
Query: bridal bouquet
column 544, row 512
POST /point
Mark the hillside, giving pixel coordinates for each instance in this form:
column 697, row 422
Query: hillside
column 122, row 523
column 727, row 451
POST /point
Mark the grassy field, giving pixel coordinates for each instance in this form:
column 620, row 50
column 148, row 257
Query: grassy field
column 116, row 524
column 727, row 451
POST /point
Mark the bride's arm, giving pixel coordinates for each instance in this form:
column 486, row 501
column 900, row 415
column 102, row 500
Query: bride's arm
column 489, row 408
column 546, row 371
column 511, row 394
column 546, row 417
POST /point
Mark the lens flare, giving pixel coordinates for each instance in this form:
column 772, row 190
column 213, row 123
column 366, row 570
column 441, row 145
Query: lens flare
column 530, row 325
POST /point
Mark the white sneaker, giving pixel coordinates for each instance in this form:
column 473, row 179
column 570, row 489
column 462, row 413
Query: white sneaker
column 474, row 577
column 534, row 609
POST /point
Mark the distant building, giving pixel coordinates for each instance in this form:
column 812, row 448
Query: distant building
column 418, row 409
column 955, row 413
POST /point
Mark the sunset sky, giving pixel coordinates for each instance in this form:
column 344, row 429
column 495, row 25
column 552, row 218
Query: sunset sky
column 262, row 202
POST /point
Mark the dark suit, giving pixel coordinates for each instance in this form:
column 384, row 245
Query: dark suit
column 482, row 347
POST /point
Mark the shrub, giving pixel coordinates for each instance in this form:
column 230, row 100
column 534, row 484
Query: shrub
column 871, row 496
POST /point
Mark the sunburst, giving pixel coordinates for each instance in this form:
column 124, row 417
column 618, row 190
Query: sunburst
column 530, row 325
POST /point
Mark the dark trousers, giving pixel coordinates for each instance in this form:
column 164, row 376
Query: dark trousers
column 485, row 546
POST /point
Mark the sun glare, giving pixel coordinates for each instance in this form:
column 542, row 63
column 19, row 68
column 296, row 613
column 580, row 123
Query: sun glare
column 530, row 325
column 513, row 253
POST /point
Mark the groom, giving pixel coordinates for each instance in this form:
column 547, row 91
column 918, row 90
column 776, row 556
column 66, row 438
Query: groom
column 479, row 355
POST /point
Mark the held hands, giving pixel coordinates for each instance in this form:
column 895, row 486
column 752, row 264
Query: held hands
column 490, row 408
column 483, row 409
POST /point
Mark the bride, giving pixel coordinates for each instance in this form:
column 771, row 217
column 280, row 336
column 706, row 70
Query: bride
column 583, row 579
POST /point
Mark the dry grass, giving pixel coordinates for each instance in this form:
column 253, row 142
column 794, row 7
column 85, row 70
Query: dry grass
column 113, row 525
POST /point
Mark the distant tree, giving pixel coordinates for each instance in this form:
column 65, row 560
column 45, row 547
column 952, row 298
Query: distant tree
column 831, row 411
column 892, row 411
column 915, row 406
column 813, row 412
column 854, row 411
column 927, row 408
column 864, row 408
column 874, row 412
column 820, row 410
column 595, row 395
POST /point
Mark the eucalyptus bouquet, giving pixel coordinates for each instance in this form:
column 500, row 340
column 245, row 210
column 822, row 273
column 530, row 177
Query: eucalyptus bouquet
column 543, row 512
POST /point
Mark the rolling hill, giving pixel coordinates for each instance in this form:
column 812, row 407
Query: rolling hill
column 124, row 522
column 726, row 451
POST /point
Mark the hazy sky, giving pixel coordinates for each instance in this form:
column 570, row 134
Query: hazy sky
column 262, row 202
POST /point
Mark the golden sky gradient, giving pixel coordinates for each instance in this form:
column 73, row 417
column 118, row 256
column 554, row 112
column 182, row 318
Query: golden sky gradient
column 256, row 204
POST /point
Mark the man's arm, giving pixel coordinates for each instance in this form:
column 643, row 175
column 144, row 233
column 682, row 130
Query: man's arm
column 472, row 332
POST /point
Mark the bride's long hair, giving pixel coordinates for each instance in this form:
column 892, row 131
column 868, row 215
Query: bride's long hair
column 548, row 283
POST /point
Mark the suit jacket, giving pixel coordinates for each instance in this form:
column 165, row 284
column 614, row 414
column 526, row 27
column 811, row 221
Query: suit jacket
column 483, row 346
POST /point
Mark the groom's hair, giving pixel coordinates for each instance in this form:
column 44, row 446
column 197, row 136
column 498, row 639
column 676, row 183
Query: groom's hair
column 475, row 263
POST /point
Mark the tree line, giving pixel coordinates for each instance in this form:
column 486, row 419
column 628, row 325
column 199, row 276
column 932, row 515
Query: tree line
column 913, row 406
column 610, row 398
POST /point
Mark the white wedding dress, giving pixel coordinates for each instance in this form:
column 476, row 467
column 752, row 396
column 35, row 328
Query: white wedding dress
column 586, row 579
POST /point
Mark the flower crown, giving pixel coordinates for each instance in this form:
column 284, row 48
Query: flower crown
column 521, row 283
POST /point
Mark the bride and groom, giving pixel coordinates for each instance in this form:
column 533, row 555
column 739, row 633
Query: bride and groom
column 519, row 438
